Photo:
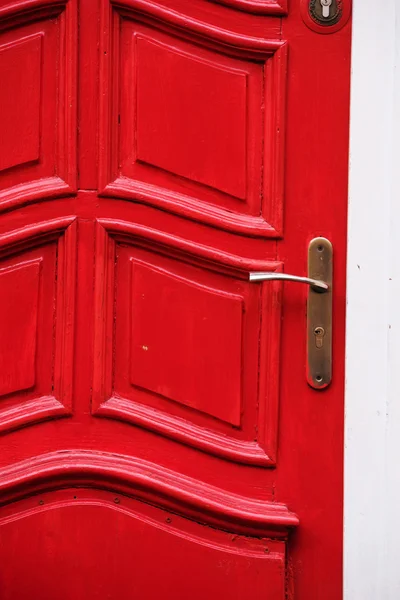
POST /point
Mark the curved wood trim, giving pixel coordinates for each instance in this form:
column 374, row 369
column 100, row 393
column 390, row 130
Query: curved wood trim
column 120, row 228
column 23, row 11
column 148, row 482
column 42, row 229
column 184, row 22
column 30, row 412
column 262, row 7
column 190, row 208
column 36, row 190
column 176, row 428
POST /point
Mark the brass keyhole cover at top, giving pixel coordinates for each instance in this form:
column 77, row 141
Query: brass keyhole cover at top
column 320, row 20
column 317, row 14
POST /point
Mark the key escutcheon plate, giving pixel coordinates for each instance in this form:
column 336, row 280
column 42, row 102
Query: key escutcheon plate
column 325, row 16
column 319, row 315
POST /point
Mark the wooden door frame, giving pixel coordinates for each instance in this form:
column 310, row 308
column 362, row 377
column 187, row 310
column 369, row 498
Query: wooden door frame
column 372, row 444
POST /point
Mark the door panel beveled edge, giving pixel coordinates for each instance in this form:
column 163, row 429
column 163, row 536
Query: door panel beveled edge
column 148, row 482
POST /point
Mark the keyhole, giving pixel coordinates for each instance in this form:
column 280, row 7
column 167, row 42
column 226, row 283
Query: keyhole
column 326, row 8
column 319, row 333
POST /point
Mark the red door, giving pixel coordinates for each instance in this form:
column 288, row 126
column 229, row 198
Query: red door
column 160, row 438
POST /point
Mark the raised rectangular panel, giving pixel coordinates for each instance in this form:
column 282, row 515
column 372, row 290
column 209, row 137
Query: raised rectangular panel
column 19, row 288
column 181, row 348
column 37, row 102
column 20, row 99
column 191, row 116
column 37, row 283
column 186, row 342
column 192, row 119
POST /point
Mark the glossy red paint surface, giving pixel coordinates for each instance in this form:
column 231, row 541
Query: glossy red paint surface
column 159, row 438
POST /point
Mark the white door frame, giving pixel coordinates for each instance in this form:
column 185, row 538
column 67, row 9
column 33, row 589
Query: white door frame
column 372, row 441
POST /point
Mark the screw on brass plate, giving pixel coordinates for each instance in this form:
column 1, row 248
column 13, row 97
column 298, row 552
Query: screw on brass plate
column 319, row 333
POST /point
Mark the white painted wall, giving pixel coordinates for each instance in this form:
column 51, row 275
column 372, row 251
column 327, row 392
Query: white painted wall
column 372, row 456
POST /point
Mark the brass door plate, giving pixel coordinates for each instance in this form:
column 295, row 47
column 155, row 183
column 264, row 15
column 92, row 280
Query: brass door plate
column 319, row 315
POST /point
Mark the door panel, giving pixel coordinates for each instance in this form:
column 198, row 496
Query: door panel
column 37, row 277
column 160, row 437
column 188, row 370
column 162, row 87
column 67, row 552
column 37, row 101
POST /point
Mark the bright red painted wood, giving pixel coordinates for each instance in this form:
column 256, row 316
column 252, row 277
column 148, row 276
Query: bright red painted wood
column 159, row 438
column 157, row 550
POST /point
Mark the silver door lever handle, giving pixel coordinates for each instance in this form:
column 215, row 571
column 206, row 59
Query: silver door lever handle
column 319, row 308
column 317, row 285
